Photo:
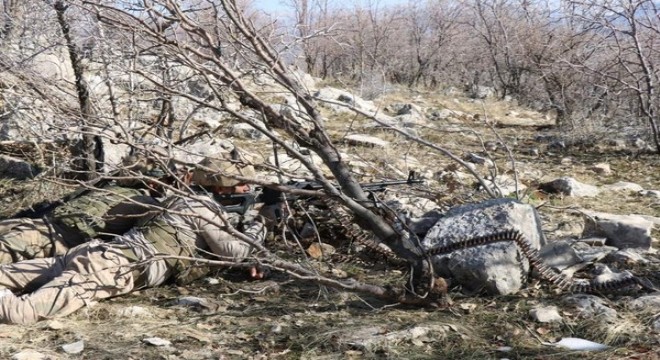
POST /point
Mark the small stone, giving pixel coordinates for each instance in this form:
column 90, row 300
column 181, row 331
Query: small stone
column 212, row 281
column 134, row 311
column 650, row 193
column 74, row 348
column 156, row 341
column 341, row 274
column 650, row 303
column 545, row 314
column 55, row 325
column 31, row 355
column 623, row 186
column 477, row 159
column 591, row 306
column 626, row 256
column 601, row 169
column 319, row 250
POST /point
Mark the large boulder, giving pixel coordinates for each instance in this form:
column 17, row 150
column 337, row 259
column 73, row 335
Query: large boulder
column 621, row 231
column 16, row 168
column 496, row 269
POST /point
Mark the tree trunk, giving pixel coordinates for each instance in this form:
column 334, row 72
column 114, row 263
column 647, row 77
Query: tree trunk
column 89, row 152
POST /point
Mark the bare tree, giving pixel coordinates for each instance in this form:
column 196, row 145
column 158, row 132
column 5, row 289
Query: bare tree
column 90, row 151
column 630, row 31
column 194, row 45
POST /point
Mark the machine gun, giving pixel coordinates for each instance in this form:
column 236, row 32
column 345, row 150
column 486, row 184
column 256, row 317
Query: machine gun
column 241, row 203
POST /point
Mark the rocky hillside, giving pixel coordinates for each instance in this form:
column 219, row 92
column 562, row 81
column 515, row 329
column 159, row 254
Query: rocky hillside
column 598, row 195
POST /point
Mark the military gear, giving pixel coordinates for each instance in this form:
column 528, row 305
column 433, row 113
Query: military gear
column 104, row 212
column 97, row 270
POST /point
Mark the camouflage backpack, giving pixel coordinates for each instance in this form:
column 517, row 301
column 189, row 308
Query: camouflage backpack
column 85, row 217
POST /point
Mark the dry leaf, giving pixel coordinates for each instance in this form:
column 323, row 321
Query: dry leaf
column 315, row 251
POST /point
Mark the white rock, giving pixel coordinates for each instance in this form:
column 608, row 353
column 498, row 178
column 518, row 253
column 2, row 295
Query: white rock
column 134, row 312
column 650, row 303
column 622, row 231
column 591, row 306
column 156, row 341
column 55, row 325
column 245, row 131
column 31, row 355
column 570, row 187
column 545, row 314
column 650, row 193
column 601, row 169
column 623, row 186
column 74, row 348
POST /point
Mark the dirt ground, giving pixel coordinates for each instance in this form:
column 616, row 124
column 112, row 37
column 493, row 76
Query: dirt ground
column 285, row 319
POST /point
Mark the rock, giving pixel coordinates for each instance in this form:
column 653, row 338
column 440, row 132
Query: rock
column 245, row 131
column 366, row 140
column 193, row 301
column 476, row 159
column 618, row 144
column 623, row 186
column 545, row 314
column 622, row 231
column 647, row 303
column 570, row 187
column 16, row 168
column 134, row 312
column 591, row 306
column 74, row 348
column 450, row 116
column 55, row 325
column 342, row 96
column 495, row 268
column 592, row 253
column 601, row 169
column 319, row 250
column 421, row 225
column 32, row 355
column 156, row 341
column 626, row 256
column 481, row 92
column 531, row 151
column 593, row 241
column 650, row 193
column 559, row 255
column 656, row 324
column 194, row 152
column 373, row 338
column 655, row 220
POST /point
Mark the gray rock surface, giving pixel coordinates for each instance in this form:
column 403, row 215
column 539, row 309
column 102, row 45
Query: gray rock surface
column 498, row 268
column 545, row 314
column 590, row 306
column 570, row 187
column 622, row 231
column 16, row 168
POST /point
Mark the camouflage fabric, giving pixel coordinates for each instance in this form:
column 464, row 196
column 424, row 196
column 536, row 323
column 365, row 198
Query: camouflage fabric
column 137, row 259
column 100, row 213
column 23, row 239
